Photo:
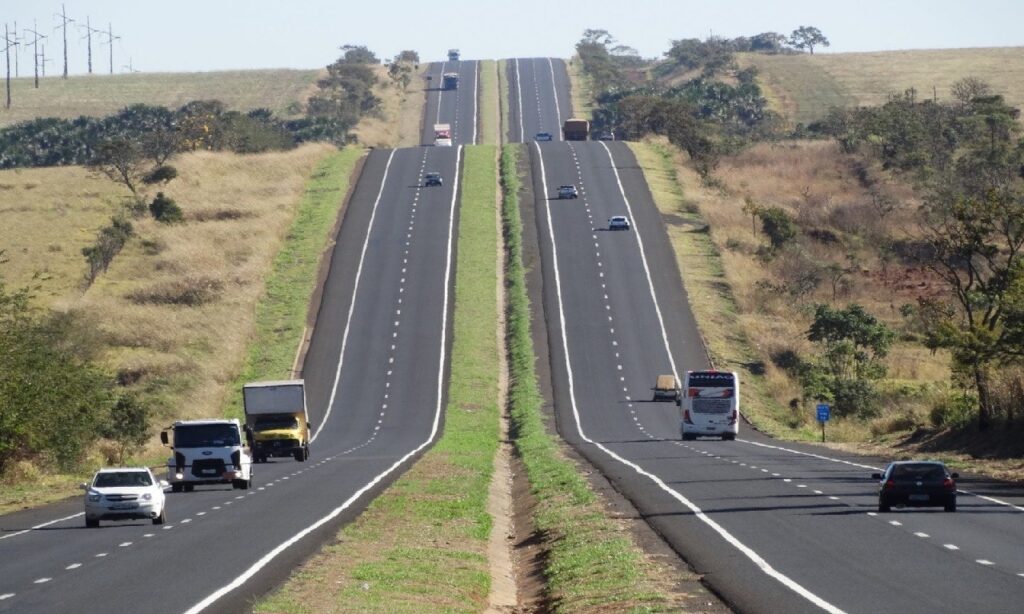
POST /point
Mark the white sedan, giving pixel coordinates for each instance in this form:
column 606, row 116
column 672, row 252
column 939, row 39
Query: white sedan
column 124, row 493
column 618, row 222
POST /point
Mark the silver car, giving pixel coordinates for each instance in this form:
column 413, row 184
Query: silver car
column 124, row 493
column 618, row 222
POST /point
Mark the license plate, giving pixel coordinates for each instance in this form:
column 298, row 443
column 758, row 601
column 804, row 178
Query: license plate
column 919, row 497
column 124, row 506
column 209, row 472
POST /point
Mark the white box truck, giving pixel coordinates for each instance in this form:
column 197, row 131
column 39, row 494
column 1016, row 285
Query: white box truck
column 207, row 452
column 275, row 412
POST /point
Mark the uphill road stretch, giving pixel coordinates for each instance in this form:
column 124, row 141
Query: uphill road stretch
column 773, row 526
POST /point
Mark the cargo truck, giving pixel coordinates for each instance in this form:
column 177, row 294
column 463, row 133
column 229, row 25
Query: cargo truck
column 442, row 135
column 450, row 81
column 453, row 55
column 275, row 412
column 208, row 452
column 576, row 129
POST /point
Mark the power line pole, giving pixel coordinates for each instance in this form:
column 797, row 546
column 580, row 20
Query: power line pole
column 35, row 51
column 64, row 25
column 43, row 60
column 88, row 37
column 8, row 43
column 16, row 51
column 129, row 66
column 110, row 42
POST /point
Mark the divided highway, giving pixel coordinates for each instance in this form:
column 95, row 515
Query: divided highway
column 775, row 527
column 376, row 379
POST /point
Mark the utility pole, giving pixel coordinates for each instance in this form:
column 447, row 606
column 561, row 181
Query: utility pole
column 35, row 51
column 43, row 60
column 8, row 43
column 88, row 37
column 16, row 51
column 129, row 66
column 64, row 25
column 110, row 42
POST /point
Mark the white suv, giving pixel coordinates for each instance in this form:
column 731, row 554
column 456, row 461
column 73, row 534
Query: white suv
column 130, row 492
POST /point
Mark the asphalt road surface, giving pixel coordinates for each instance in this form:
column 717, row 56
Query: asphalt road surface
column 376, row 375
column 774, row 526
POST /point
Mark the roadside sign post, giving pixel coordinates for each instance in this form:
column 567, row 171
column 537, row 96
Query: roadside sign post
column 824, row 412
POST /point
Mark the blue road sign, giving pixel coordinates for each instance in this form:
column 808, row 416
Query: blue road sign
column 823, row 412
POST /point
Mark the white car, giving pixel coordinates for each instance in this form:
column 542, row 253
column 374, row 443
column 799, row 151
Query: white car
column 124, row 493
column 618, row 222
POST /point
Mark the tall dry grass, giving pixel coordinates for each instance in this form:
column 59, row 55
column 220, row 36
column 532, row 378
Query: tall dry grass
column 398, row 122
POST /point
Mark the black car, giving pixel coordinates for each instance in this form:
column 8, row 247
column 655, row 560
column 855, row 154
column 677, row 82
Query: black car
column 432, row 179
column 567, row 191
column 543, row 136
column 916, row 484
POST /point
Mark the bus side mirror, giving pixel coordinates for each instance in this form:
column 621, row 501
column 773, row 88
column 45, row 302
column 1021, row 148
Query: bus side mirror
column 163, row 437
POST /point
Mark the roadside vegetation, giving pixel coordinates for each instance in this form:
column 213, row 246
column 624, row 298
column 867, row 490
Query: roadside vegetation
column 872, row 266
column 488, row 108
column 422, row 544
column 590, row 560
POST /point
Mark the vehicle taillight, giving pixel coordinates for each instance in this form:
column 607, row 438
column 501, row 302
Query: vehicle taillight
column 733, row 417
column 686, row 416
column 890, row 484
column 949, row 484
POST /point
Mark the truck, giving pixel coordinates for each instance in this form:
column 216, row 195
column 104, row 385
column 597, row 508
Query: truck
column 208, row 452
column 450, row 81
column 576, row 129
column 276, row 414
column 453, row 55
column 442, row 135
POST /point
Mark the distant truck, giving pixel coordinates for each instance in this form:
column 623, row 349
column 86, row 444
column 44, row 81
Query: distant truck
column 208, row 452
column 453, row 55
column 576, row 129
column 443, row 135
column 450, row 81
column 275, row 412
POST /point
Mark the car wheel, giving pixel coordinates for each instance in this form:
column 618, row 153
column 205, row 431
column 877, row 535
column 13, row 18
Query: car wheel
column 728, row 436
column 162, row 518
column 188, row 487
column 176, row 487
column 299, row 456
column 951, row 506
column 689, row 436
column 91, row 523
column 884, row 506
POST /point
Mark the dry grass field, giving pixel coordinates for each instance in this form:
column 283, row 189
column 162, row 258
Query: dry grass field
column 401, row 112
column 280, row 90
column 803, row 87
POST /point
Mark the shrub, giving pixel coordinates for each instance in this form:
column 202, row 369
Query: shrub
column 188, row 292
column 165, row 209
column 108, row 244
column 161, row 174
column 778, row 225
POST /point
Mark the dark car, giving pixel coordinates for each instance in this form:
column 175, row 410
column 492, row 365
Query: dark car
column 606, row 136
column 432, row 179
column 567, row 191
column 916, row 484
column 543, row 136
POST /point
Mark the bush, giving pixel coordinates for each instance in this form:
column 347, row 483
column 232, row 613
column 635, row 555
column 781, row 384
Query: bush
column 165, row 209
column 161, row 174
column 108, row 244
column 189, row 292
column 778, row 225
column 954, row 411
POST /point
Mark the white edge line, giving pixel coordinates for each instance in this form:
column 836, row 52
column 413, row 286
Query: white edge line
column 519, row 99
column 40, row 526
column 554, row 93
column 476, row 95
column 352, row 306
column 260, row 564
column 440, row 93
column 698, row 513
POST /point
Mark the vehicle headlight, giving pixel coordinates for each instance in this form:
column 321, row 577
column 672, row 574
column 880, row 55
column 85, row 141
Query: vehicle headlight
column 146, row 496
column 179, row 476
column 94, row 496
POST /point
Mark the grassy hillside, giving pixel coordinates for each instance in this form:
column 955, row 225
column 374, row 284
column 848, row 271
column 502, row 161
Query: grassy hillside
column 96, row 95
column 803, row 87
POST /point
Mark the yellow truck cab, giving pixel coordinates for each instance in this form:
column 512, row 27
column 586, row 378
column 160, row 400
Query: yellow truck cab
column 276, row 414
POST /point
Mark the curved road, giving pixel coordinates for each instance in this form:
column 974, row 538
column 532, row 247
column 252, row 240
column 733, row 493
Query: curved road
column 774, row 527
column 376, row 375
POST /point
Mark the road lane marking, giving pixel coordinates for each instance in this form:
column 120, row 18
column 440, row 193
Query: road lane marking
column 753, row 556
column 101, row 555
column 984, row 562
column 7, row 596
column 355, row 293
column 41, row 580
column 554, row 93
column 519, row 98
column 40, row 526
column 950, row 547
column 73, row 566
column 922, row 535
column 267, row 558
column 124, row 544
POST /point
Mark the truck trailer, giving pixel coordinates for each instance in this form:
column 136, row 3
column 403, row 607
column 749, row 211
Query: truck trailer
column 453, row 55
column 442, row 135
column 275, row 412
column 576, row 129
column 450, row 81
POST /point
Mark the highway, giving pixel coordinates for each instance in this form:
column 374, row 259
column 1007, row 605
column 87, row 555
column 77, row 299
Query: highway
column 376, row 374
column 773, row 526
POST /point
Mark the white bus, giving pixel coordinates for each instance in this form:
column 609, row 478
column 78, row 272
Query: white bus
column 710, row 404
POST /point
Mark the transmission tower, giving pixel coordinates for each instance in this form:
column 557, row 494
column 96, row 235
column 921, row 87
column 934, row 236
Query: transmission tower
column 89, row 30
column 64, row 21
column 17, row 40
column 110, row 42
column 36, row 37
column 8, row 43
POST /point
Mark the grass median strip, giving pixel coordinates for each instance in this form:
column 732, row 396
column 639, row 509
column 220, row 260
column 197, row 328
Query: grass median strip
column 488, row 103
column 422, row 544
column 592, row 562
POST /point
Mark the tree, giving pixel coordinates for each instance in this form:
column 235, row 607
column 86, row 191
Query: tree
column 808, row 37
column 408, row 56
column 359, row 54
column 400, row 74
column 967, row 89
column 127, row 425
column 597, row 37
column 778, row 225
column 121, row 160
column 165, row 210
column 768, row 42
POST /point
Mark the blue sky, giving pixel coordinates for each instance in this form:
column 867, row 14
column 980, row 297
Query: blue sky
column 227, row 34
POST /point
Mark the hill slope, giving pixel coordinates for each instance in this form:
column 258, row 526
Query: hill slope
column 803, row 87
column 97, row 95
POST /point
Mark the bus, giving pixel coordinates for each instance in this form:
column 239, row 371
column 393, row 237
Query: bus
column 710, row 404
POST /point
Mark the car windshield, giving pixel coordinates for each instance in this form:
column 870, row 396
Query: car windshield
column 277, row 422
column 918, row 471
column 122, row 478
column 206, row 436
